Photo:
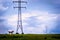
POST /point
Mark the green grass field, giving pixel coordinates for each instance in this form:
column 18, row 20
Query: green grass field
column 30, row 37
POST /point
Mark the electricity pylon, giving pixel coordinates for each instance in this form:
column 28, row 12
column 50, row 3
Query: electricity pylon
column 19, row 22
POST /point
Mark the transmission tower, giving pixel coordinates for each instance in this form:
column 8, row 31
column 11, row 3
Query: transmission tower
column 46, row 29
column 19, row 22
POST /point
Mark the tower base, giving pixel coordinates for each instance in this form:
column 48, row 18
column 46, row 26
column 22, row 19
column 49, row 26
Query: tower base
column 17, row 33
column 22, row 33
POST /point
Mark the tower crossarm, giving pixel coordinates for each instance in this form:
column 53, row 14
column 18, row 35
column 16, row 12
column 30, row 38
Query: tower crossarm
column 19, row 7
column 19, row 2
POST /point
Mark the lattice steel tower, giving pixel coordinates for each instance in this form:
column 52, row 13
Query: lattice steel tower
column 19, row 22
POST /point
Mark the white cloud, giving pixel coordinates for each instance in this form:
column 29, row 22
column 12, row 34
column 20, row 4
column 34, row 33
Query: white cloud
column 2, row 7
column 40, row 29
column 41, row 17
column 17, row 0
column 12, row 20
column 45, row 18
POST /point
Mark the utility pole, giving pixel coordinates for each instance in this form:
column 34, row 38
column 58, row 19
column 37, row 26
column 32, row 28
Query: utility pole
column 19, row 22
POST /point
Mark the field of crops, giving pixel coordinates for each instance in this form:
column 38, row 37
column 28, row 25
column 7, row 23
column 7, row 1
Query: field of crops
column 30, row 37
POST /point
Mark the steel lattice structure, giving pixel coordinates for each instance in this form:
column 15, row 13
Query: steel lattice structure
column 19, row 22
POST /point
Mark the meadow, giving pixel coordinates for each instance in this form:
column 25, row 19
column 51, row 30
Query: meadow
column 30, row 37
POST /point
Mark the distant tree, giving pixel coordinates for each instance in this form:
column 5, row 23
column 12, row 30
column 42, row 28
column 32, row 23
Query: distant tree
column 10, row 31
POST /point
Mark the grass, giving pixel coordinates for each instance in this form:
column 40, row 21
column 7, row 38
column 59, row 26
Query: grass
column 30, row 37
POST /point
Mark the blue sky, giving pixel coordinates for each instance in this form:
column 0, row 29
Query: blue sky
column 40, row 17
